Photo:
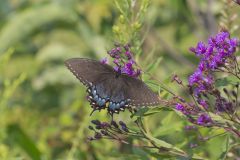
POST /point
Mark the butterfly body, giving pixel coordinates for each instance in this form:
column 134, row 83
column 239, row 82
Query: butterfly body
column 109, row 89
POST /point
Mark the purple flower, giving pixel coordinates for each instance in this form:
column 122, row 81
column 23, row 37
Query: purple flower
column 221, row 37
column 215, row 54
column 222, row 105
column 199, row 89
column 202, row 66
column 195, row 77
column 124, row 61
column 104, row 60
column 218, row 49
column 179, row 107
column 204, row 119
column 208, row 79
column 209, row 52
column 128, row 54
column 200, row 49
column 203, row 103
column 116, row 61
column 117, row 68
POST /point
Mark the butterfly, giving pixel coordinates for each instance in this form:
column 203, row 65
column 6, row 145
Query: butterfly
column 110, row 89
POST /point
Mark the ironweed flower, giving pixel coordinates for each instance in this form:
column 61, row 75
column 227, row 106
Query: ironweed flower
column 123, row 60
column 219, row 51
column 222, row 105
column 104, row 60
column 179, row 107
column 123, row 126
column 218, row 54
column 204, row 119
column 203, row 103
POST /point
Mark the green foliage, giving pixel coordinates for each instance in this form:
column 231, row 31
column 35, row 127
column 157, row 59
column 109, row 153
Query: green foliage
column 17, row 135
column 43, row 110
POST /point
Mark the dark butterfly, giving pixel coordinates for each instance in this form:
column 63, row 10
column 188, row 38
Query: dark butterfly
column 110, row 89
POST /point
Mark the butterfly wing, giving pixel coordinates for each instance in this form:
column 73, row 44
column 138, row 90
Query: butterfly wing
column 107, row 89
column 86, row 70
column 139, row 93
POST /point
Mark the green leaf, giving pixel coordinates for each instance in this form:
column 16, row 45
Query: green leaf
column 168, row 129
column 225, row 147
column 153, row 66
column 23, row 24
column 24, row 141
column 158, row 155
column 168, row 147
column 220, row 119
column 124, row 155
column 160, row 143
column 141, row 153
column 221, row 82
column 141, row 112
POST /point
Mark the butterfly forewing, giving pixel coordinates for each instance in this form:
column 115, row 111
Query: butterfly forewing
column 86, row 70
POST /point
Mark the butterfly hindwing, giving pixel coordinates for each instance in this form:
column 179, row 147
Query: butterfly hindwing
column 139, row 93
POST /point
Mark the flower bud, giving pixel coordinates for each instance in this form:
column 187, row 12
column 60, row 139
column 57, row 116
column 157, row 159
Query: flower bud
column 98, row 135
column 113, row 123
column 96, row 122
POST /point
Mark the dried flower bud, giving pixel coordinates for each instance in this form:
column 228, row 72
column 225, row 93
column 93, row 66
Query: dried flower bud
column 90, row 138
column 123, row 126
column 91, row 127
column 96, row 122
column 237, row 85
column 234, row 94
column 98, row 127
column 127, row 47
column 104, row 132
column 177, row 79
column 105, row 125
column 113, row 123
column 225, row 91
column 98, row 135
column 193, row 145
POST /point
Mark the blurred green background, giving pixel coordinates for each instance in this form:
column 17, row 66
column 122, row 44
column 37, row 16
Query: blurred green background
column 43, row 110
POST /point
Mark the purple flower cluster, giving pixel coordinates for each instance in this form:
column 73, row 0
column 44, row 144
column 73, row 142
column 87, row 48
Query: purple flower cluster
column 213, row 55
column 216, row 55
column 123, row 60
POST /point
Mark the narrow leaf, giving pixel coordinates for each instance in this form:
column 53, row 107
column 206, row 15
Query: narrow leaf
column 24, row 141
